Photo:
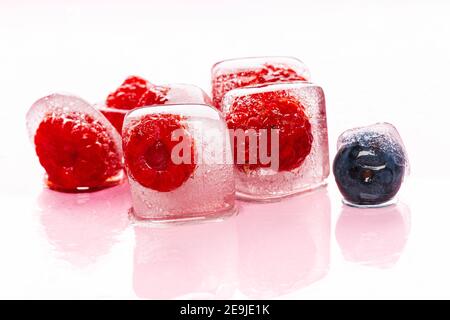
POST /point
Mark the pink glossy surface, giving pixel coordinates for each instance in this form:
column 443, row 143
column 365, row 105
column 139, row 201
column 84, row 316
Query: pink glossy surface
column 83, row 227
column 269, row 250
column 283, row 246
column 194, row 261
column 257, row 253
column 373, row 237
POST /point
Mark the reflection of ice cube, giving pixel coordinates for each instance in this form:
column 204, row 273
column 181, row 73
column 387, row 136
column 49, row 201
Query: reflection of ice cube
column 266, row 184
column 373, row 237
column 209, row 193
column 193, row 261
column 83, row 227
column 237, row 73
column 176, row 94
column 283, row 246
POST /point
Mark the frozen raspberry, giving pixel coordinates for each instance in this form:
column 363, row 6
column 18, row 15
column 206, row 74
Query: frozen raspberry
column 130, row 94
column 148, row 149
column 76, row 151
column 267, row 74
column 116, row 118
column 153, row 95
column 272, row 110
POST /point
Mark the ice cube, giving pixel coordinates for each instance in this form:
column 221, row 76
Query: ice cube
column 297, row 111
column 77, row 146
column 236, row 73
column 370, row 165
column 180, row 93
column 178, row 159
column 176, row 93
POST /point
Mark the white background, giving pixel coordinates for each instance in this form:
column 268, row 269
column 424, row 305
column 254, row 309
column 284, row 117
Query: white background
column 376, row 60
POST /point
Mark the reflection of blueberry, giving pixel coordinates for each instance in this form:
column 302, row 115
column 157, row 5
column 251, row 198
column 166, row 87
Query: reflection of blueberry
column 369, row 174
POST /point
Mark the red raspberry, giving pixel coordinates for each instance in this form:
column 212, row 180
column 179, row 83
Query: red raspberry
column 154, row 95
column 273, row 110
column 129, row 94
column 148, row 147
column 76, row 151
column 116, row 118
column 266, row 74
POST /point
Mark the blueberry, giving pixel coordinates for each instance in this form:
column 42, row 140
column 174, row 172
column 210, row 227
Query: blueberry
column 369, row 171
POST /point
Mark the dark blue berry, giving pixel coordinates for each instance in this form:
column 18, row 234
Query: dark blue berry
column 369, row 173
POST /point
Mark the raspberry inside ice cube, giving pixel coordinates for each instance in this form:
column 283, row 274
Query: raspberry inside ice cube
column 148, row 148
column 237, row 73
column 178, row 159
column 75, row 144
column 297, row 111
column 115, row 116
column 269, row 111
column 137, row 92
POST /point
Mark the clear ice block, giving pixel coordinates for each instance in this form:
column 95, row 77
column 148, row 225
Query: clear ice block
column 177, row 93
column 303, row 160
column 77, row 146
column 172, row 185
column 370, row 165
column 241, row 72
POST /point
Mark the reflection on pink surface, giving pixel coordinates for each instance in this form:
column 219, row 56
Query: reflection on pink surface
column 373, row 237
column 192, row 261
column 283, row 246
column 84, row 226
